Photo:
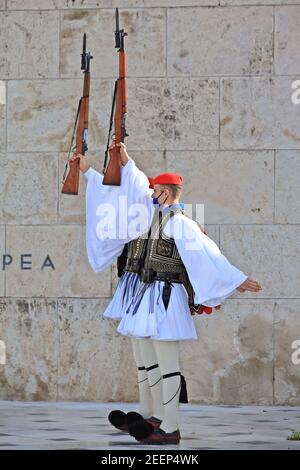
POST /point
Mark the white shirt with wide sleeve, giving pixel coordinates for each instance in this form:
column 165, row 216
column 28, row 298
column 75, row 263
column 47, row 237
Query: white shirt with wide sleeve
column 212, row 276
column 115, row 214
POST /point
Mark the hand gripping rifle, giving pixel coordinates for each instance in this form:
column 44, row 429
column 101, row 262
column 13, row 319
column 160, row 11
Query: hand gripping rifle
column 71, row 183
column 111, row 171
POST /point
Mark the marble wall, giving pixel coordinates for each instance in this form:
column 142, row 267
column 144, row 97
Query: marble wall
column 209, row 95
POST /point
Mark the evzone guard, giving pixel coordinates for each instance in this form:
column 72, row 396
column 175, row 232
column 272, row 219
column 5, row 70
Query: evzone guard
column 169, row 269
column 172, row 270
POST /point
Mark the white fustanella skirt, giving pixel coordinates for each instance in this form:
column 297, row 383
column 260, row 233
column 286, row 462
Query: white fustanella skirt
column 126, row 290
column 146, row 317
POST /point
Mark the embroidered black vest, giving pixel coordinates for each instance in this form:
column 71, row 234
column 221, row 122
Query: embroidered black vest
column 157, row 254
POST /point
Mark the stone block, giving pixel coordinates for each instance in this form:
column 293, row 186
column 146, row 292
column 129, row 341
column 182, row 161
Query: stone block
column 34, row 5
column 224, row 182
column 29, row 44
column 2, row 115
column 95, row 362
column 28, row 188
column 152, row 163
column 267, row 253
column 232, row 361
column 80, row 4
column 220, row 41
column 287, row 37
column 177, row 113
column 287, row 352
column 51, row 262
column 41, row 114
column 258, row 113
column 287, row 187
column 213, row 232
column 29, row 329
column 145, row 43
column 258, row 2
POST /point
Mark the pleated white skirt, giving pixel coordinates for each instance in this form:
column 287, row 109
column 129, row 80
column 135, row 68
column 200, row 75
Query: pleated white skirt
column 126, row 289
column 146, row 316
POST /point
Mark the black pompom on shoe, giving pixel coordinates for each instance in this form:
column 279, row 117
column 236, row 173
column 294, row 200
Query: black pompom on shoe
column 122, row 421
column 118, row 419
column 141, row 430
column 132, row 417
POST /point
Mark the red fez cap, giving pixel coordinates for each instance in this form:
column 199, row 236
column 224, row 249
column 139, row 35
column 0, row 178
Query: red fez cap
column 168, row 178
column 150, row 182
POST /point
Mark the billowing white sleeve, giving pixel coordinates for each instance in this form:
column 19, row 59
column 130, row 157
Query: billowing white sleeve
column 115, row 214
column 212, row 276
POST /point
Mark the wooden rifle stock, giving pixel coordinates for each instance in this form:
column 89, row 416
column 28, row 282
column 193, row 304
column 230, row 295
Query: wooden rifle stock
column 71, row 182
column 112, row 170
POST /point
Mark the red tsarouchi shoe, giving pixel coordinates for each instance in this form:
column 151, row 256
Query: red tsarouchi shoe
column 158, row 436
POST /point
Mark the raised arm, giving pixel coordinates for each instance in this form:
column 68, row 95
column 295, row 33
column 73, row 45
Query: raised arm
column 113, row 216
column 135, row 181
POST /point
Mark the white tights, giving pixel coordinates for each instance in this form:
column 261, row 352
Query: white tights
column 159, row 395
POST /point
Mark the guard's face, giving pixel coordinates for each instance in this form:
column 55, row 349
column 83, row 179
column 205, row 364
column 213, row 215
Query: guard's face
column 160, row 193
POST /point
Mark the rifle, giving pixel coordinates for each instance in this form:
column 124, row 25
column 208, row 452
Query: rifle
column 71, row 183
column 112, row 172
